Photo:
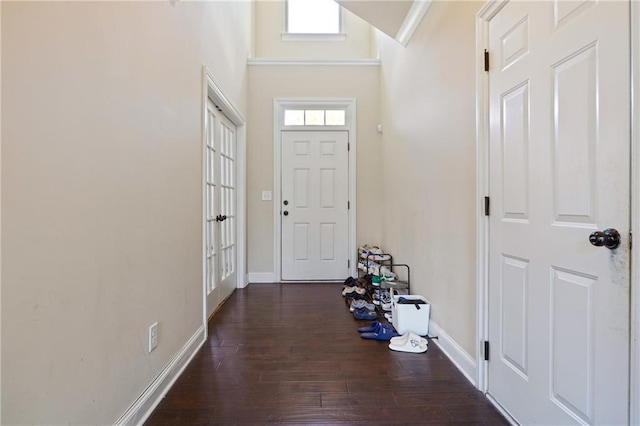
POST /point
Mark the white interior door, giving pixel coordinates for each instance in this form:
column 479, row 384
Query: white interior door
column 315, row 196
column 559, row 170
column 220, row 206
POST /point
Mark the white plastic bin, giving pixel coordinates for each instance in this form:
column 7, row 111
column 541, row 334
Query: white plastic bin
column 410, row 317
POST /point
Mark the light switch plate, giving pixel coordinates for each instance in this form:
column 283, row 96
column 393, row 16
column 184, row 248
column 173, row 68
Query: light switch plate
column 266, row 195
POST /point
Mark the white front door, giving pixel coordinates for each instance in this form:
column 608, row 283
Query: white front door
column 220, row 207
column 559, row 170
column 315, row 195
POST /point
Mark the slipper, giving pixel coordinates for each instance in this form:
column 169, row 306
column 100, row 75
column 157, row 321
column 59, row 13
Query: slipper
column 385, row 333
column 364, row 314
column 370, row 328
column 401, row 340
column 410, row 345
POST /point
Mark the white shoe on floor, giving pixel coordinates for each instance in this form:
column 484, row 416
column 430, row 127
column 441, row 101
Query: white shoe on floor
column 401, row 340
column 411, row 345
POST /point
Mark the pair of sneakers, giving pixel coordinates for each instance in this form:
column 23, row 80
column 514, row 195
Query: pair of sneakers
column 409, row 342
column 361, row 303
column 350, row 291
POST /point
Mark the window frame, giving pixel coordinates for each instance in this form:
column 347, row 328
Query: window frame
column 320, row 106
column 289, row 36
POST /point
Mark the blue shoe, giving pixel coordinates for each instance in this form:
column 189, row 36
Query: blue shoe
column 385, row 333
column 370, row 328
column 364, row 314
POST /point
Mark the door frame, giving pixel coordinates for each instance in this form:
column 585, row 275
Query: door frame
column 634, row 396
column 279, row 105
column 483, row 17
column 212, row 90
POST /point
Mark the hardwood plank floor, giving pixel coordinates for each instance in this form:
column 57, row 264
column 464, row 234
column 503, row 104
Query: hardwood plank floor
column 290, row 353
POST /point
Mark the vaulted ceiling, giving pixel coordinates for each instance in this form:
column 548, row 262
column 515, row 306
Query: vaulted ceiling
column 396, row 18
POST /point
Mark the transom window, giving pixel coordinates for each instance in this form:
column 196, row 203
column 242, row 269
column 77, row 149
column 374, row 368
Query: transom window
column 313, row 17
column 314, row 117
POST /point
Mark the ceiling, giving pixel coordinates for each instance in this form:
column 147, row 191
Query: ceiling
column 396, row 18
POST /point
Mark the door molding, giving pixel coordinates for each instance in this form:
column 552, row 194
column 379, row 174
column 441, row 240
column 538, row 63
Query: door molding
column 634, row 397
column 211, row 90
column 279, row 105
column 483, row 17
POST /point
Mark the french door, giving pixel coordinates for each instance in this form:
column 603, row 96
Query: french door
column 220, row 207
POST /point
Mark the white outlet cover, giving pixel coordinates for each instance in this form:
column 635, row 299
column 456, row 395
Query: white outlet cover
column 153, row 336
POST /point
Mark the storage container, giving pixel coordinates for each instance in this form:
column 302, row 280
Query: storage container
column 410, row 317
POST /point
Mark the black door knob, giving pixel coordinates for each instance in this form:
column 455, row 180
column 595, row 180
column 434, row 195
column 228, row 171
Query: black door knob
column 285, row 202
column 286, row 213
column 610, row 238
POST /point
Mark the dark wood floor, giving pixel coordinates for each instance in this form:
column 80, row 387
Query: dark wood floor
column 290, row 353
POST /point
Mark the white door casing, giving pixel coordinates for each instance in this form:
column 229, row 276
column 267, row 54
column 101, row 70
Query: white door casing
column 315, row 197
column 280, row 105
column 559, row 120
column 220, row 207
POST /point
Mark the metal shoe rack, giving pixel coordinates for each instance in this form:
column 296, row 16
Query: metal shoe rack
column 384, row 259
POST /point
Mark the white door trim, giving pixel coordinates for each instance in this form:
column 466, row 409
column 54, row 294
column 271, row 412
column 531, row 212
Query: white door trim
column 490, row 9
column 485, row 14
column 279, row 105
column 211, row 90
column 634, row 397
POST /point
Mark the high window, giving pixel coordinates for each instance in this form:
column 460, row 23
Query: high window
column 313, row 17
column 314, row 117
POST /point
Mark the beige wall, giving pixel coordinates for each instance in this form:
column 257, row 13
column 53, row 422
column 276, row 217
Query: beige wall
column 101, row 195
column 269, row 26
column 428, row 104
column 269, row 82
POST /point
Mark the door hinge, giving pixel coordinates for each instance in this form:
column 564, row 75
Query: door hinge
column 348, row 205
column 348, row 146
column 630, row 240
column 486, row 60
column 487, row 206
column 486, row 350
column 348, row 263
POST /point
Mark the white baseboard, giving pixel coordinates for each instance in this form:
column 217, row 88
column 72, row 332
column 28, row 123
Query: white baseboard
column 261, row 277
column 460, row 358
column 142, row 408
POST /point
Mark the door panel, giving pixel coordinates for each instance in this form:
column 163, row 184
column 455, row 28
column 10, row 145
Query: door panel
column 220, row 201
column 227, row 206
column 559, row 170
column 211, row 209
column 315, row 187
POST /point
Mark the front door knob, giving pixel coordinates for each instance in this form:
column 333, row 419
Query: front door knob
column 610, row 238
column 286, row 213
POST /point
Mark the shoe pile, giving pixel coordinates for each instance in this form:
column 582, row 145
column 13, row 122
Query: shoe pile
column 353, row 289
column 355, row 295
column 363, row 310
